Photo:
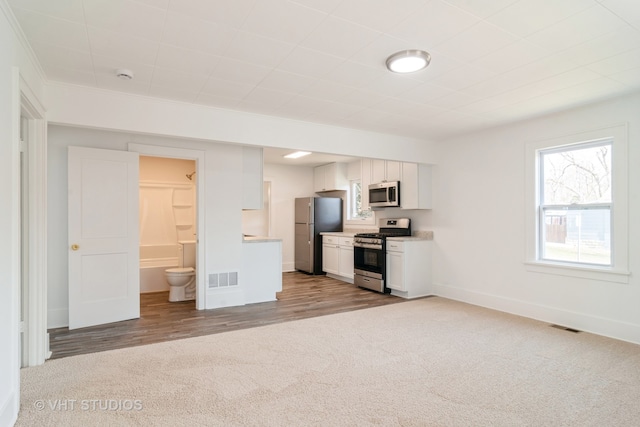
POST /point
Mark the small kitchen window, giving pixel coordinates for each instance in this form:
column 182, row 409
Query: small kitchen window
column 356, row 212
column 577, row 220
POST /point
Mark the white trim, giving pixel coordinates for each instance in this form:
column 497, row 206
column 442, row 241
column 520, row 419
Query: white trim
column 594, row 273
column 33, row 110
column 612, row 328
column 619, row 271
column 12, row 349
column 9, row 410
column 288, row 267
column 58, row 317
column 38, row 348
column 22, row 39
column 199, row 156
column 359, row 221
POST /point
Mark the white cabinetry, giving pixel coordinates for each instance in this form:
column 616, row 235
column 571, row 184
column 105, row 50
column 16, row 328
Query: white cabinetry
column 337, row 257
column 415, row 181
column 346, row 257
column 252, row 179
column 415, row 187
column 330, row 177
column 330, row 254
column 385, row 170
column 409, row 267
column 365, row 180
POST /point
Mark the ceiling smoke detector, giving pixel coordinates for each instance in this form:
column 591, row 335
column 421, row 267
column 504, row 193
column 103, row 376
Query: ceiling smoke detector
column 124, row 74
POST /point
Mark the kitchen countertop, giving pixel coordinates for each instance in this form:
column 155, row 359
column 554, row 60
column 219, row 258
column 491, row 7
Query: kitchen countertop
column 337, row 233
column 407, row 238
column 259, row 239
column 418, row 235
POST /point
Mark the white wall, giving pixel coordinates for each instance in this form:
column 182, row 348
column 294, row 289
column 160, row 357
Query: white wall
column 101, row 109
column 223, row 204
column 479, row 224
column 12, row 54
column 287, row 183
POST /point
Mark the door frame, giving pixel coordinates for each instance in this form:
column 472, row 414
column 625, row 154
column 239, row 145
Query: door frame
column 36, row 251
column 199, row 157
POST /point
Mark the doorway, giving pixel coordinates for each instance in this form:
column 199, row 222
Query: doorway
column 168, row 232
column 24, row 242
column 200, row 181
column 32, row 188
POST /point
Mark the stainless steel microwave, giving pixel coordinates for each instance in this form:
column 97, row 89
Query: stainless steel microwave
column 384, row 194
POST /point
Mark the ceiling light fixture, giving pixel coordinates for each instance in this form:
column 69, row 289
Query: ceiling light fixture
column 408, row 61
column 297, row 154
column 124, row 74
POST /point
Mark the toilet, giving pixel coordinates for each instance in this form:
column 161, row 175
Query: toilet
column 182, row 280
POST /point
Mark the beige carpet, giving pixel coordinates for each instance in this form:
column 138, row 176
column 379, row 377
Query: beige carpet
column 419, row 363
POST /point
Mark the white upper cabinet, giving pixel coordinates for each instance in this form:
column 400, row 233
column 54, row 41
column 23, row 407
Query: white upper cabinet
column 330, row 177
column 415, row 181
column 415, row 187
column 252, row 178
column 385, row 170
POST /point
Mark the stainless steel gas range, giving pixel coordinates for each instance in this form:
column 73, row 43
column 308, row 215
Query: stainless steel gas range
column 369, row 253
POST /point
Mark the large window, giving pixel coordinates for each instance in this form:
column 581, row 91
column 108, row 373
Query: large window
column 355, row 202
column 575, row 203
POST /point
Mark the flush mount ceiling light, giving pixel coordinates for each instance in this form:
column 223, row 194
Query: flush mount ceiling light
column 408, row 61
column 124, row 74
column 297, row 154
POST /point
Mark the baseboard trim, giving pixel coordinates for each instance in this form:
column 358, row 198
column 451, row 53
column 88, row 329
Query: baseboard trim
column 57, row 318
column 288, row 267
column 341, row 278
column 9, row 410
column 611, row 328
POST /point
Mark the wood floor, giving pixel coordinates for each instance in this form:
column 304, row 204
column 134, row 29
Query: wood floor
column 302, row 296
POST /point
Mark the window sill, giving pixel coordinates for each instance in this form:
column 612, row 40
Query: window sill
column 594, row 273
column 368, row 221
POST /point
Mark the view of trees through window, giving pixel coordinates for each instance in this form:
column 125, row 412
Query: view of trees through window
column 356, row 211
column 575, row 203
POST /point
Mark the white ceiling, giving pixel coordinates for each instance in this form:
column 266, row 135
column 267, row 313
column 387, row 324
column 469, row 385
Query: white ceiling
column 493, row 61
column 276, row 156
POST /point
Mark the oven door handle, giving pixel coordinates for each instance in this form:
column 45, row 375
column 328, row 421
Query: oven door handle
column 367, row 246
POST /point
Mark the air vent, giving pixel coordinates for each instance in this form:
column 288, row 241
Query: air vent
column 223, row 280
column 213, row 280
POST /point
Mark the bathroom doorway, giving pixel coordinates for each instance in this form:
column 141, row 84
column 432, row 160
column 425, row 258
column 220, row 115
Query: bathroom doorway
column 168, row 212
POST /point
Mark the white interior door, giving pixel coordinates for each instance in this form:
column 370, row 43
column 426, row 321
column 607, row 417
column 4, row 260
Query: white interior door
column 104, row 275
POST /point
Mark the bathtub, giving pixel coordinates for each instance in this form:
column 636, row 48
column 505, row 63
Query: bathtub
column 154, row 260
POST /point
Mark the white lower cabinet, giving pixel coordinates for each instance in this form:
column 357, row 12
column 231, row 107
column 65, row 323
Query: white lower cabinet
column 330, row 258
column 395, row 270
column 409, row 268
column 337, row 257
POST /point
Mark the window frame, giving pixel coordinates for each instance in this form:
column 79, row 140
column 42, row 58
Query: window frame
column 543, row 207
column 618, row 270
column 350, row 202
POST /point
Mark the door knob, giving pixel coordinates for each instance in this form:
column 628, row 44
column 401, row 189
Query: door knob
column 75, row 247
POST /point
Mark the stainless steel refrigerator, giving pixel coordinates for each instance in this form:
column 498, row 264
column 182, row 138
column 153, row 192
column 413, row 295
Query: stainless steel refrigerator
column 314, row 215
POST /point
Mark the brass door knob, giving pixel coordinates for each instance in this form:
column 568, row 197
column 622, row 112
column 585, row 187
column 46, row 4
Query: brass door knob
column 75, row 247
